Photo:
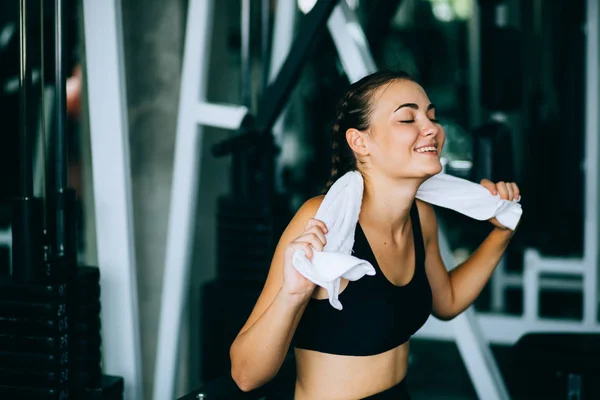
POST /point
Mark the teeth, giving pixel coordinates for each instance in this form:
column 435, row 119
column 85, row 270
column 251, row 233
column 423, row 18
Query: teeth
column 425, row 149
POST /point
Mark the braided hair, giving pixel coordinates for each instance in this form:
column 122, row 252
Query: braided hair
column 354, row 111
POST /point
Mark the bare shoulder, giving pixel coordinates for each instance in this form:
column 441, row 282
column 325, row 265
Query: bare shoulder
column 308, row 210
column 311, row 205
column 296, row 226
column 429, row 225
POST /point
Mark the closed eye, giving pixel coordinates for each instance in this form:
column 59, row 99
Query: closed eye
column 410, row 121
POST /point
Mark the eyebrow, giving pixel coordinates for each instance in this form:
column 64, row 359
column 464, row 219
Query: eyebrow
column 414, row 106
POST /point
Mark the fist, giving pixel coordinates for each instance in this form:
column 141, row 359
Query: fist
column 506, row 190
column 312, row 239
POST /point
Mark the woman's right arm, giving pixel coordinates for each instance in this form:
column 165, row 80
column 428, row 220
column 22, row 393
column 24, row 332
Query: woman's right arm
column 263, row 342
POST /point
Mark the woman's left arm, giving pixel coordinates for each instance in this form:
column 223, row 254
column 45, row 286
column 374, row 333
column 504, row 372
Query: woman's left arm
column 455, row 291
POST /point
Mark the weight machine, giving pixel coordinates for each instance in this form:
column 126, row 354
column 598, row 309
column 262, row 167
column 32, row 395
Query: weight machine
column 50, row 336
column 543, row 272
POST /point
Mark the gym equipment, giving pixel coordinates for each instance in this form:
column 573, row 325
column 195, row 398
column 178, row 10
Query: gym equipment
column 253, row 187
column 540, row 271
column 557, row 366
column 501, row 82
column 252, row 218
column 50, row 343
column 492, row 155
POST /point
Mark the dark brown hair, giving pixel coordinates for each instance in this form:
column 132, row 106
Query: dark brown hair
column 354, row 111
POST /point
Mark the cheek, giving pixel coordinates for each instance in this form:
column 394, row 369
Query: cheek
column 396, row 145
column 399, row 147
column 442, row 138
column 405, row 141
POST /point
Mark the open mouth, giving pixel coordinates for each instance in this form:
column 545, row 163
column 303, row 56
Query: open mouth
column 430, row 149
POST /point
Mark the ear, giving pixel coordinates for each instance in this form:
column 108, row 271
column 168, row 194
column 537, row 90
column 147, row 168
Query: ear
column 357, row 141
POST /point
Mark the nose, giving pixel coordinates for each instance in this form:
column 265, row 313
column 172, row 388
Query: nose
column 429, row 129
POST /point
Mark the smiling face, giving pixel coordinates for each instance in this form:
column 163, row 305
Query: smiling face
column 404, row 140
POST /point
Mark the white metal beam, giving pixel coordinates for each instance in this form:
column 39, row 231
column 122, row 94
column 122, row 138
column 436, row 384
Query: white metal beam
column 477, row 357
column 556, row 265
column 592, row 165
column 112, row 192
column 505, row 329
column 6, row 237
column 350, row 42
column 515, row 280
column 39, row 157
column 283, row 35
column 182, row 209
column 223, row 116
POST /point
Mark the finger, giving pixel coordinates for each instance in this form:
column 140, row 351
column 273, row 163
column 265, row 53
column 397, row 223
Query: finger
column 509, row 188
column 502, row 190
column 315, row 222
column 516, row 191
column 489, row 185
column 317, row 230
column 308, row 251
column 311, row 238
column 304, row 246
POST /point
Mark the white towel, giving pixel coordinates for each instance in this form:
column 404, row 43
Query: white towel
column 340, row 209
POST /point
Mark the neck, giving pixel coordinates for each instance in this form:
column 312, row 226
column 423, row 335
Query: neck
column 387, row 203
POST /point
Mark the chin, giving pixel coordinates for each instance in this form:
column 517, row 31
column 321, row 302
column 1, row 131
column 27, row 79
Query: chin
column 420, row 172
column 431, row 170
column 423, row 175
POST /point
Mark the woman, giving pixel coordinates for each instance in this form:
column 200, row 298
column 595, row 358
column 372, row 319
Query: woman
column 386, row 129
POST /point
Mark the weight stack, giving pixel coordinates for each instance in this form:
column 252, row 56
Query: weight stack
column 50, row 341
column 247, row 234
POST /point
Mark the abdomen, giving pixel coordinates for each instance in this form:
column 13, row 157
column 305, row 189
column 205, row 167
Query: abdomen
column 330, row 376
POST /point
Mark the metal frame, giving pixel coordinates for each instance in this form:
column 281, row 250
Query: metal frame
column 112, row 193
column 350, row 43
column 586, row 268
column 6, row 232
column 187, row 165
column 283, row 35
column 38, row 160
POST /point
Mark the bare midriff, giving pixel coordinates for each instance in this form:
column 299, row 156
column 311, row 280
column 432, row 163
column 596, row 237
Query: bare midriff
column 331, row 376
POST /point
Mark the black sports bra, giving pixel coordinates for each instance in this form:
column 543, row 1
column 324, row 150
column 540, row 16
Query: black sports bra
column 377, row 315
